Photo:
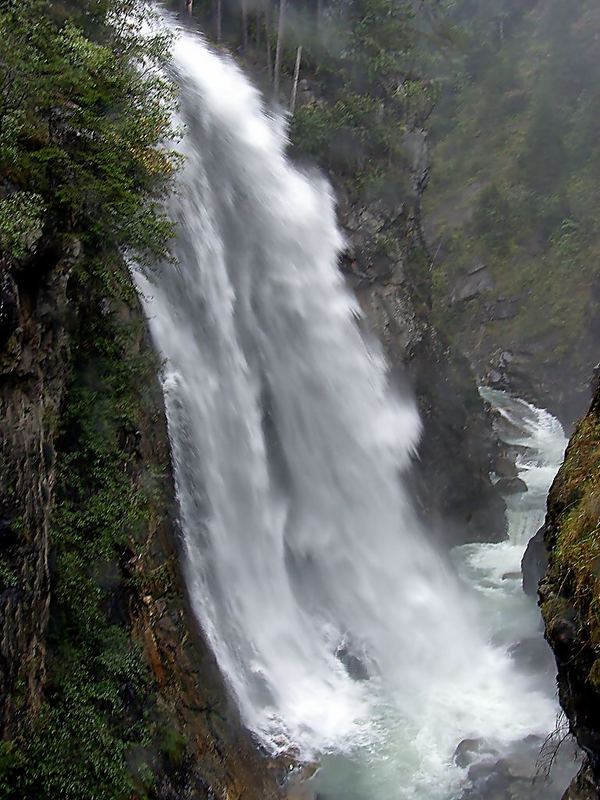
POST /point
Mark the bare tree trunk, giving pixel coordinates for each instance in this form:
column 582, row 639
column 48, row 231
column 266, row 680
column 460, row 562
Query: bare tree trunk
column 279, row 47
column 219, row 19
column 245, row 25
column 295, row 84
column 188, row 6
column 319, row 16
column 268, row 38
column 257, row 32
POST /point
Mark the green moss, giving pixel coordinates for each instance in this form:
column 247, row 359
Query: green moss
column 575, row 559
column 512, row 185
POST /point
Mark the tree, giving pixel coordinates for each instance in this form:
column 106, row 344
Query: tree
column 543, row 158
column 279, row 47
column 83, row 121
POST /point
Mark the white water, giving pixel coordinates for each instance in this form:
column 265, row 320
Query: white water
column 288, row 448
column 494, row 570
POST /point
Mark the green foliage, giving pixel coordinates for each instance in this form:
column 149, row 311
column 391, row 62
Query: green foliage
column 8, row 576
column 20, row 221
column 492, row 218
column 372, row 94
column 543, row 159
column 84, row 132
column 91, row 738
column 575, row 556
column 83, row 120
column 515, row 176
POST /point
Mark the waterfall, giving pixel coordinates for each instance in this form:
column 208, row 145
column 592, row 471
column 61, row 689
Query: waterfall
column 334, row 622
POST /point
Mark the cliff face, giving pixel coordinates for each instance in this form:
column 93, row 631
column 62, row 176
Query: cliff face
column 570, row 592
column 513, row 210
column 34, row 354
column 393, row 285
column 105, row 680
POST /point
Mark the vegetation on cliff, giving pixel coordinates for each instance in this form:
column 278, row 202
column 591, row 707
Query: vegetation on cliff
column 84, row 116
column 570, row 590
column 514, row 190
column 94, row 717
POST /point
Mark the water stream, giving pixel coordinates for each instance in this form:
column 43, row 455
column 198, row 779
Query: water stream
column 342, row 634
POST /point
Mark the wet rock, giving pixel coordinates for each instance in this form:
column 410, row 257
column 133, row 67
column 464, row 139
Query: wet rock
column 534, row 563
column 582, row 787
column 563, row 631
column 354, row 665
column 533, row 654
column 511, row 486
column 505, row 467
column 9, row 306
column 450, row 477
column 468, row 751
column 520, row 775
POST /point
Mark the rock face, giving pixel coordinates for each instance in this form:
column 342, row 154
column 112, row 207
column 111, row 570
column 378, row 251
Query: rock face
column 570, row 592
column 218, row 757
column 34, row 355
column 392, row 284
column 477, row 281
column 583, row 786
column 199, row 748
column 511, row 486
column 534, row 563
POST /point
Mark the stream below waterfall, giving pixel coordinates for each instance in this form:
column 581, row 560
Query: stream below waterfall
column 345, row 638
column 491, row 573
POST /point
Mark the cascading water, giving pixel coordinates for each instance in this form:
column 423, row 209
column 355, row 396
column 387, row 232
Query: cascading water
column 288, row 448
column 539, row 443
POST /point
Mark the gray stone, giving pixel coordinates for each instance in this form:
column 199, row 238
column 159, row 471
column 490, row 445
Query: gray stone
column 534, row 563
column 476, row 282
column 511, row 486
column 505, row 467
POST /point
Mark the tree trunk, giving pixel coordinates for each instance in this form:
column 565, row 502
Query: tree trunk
column 259, row 9
column 279, row 47
column 219, row 20
column 295, row 84
column 268, row 38
column 245, row 25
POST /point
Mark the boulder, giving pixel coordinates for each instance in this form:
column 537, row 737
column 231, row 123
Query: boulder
column 468, row 751
column 355, row 666
column 511, row 486
column 505, row 467
column 534, row 563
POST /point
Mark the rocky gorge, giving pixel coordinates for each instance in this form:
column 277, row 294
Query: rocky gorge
column 109, row 687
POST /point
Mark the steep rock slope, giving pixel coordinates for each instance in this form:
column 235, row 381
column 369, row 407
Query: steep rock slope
column 512, row 217
column 106, row 681
column 455, row 455
column 33, row 375
column 570, row 592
